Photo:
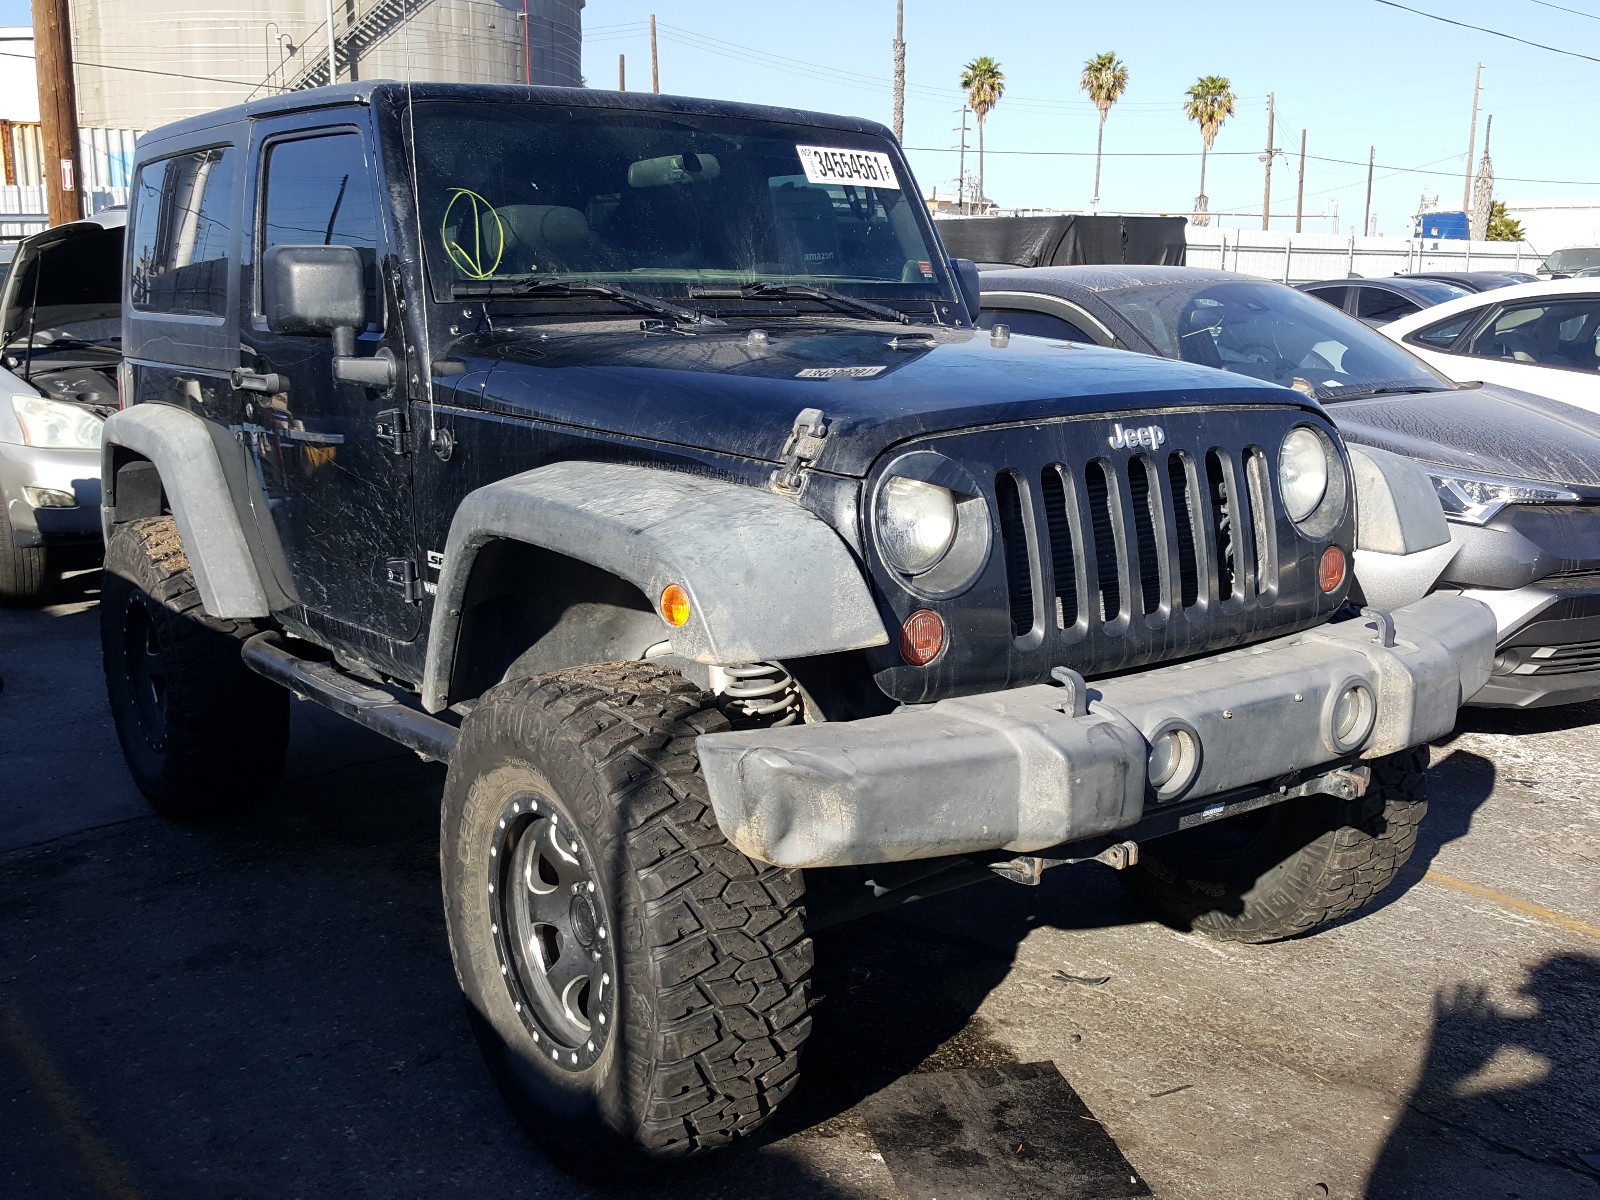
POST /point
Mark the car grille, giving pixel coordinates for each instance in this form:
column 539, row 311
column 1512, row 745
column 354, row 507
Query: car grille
column 1106, row 560
column 1551, row 660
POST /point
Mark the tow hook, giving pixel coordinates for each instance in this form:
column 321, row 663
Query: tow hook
column 1030, row 867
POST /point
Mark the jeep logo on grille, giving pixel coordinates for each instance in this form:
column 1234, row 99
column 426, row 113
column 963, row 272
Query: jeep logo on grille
column 1151, row 437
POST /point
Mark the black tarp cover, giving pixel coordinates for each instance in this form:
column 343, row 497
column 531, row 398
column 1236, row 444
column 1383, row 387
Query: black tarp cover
column 1065, row 240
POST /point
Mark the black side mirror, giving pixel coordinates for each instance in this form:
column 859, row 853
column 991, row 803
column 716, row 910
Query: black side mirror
column 966, row 272
column 321, row 290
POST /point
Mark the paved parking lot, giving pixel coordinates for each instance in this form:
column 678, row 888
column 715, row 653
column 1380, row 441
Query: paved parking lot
column 266, row 1008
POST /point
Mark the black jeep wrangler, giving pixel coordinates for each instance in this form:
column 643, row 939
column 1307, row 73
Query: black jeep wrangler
column 648, row 444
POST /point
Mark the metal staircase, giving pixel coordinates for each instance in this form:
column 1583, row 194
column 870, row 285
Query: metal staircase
column 377, row 21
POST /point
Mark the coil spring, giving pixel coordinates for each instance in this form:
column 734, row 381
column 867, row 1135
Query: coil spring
column 760, row 694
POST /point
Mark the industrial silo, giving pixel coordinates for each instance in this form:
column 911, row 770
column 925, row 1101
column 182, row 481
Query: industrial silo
column 143, row 63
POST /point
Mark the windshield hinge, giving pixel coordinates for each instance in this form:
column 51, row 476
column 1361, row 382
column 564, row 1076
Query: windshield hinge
column 391, row 431
column 402, row 573
column 800, row 451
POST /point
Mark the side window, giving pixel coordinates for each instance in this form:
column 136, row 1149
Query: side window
column 1443, row 336
column 1034, row 324
column 1335, row 296
column 183, row 223
column 318, row 192
column 1561, row 334
column 1378, row 305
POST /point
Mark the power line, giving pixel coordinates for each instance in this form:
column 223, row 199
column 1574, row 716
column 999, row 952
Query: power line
column 1510, row 37
column 1560, row 8
column 78, row 62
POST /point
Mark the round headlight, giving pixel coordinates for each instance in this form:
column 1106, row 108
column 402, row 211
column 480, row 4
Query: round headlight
column 916, row 523
column 1302, row 472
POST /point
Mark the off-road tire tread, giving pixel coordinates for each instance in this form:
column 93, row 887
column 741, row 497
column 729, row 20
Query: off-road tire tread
column 724, row 935
column 229, row 727
column 1336, row 874
column 25, row 575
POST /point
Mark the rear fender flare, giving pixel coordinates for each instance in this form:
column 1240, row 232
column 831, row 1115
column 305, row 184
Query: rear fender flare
column 766, row 579
column 179, row 445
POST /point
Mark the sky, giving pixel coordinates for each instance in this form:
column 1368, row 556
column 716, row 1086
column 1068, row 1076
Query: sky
column 1355, row 74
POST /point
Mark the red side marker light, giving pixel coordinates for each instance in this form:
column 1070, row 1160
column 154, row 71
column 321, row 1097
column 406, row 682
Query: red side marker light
column 922, row 637
column 1330, row 571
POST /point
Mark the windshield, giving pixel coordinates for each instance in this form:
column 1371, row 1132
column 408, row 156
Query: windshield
column 1271, row 332
column 665, row 204
column 1435, row 291
column 1573, row 259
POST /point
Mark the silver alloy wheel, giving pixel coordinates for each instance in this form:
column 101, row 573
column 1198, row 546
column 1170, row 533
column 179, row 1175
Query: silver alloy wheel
column 552, row 929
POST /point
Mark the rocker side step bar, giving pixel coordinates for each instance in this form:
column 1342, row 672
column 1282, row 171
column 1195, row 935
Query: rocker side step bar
column 378, row 710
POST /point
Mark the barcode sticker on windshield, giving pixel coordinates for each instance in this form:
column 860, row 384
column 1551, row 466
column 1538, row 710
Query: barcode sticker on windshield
column 867, row 168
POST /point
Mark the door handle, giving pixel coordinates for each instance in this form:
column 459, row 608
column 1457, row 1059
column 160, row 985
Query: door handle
column 246, row 380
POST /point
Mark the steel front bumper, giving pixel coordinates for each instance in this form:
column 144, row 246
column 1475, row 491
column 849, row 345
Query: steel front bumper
column 1012, row 770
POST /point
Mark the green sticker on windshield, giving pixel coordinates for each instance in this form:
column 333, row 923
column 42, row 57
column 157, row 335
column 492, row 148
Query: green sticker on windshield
column 477, row 241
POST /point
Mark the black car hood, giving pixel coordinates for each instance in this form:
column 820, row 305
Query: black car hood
column 878, row 384
column 1485, row 428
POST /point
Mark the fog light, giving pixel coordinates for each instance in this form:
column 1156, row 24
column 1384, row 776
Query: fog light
column 49, row 498
column 1330, row 571
column 1354, row 713
column 675, row 606
column 922, row 637
column 1174, row 759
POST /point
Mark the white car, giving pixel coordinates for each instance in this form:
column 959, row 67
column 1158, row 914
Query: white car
column 1539, row 337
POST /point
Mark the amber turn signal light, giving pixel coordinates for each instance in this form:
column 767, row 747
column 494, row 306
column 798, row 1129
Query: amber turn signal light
column 922, row 637
column 1330, row 571
column 675, row 606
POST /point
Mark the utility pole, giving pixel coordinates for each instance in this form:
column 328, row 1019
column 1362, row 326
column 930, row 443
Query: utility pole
column 1266, row 198
column 1300, row 192
column 900, row 71
column 1472, row 145
column 333, row 63
column 655, row 63
column 961, row 169
column 1366, row 217
column 622, row 72
column 58, row 108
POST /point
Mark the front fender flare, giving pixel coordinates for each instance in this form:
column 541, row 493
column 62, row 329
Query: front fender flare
column 766, row 578
column 180, row 446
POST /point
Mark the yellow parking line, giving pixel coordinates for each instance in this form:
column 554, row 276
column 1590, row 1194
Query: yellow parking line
column 101, row 1163
column 1546, row 916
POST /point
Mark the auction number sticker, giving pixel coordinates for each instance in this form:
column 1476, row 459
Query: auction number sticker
column 840, row 372
column 865, row 168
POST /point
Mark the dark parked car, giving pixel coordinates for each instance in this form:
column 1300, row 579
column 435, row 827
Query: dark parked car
column 1568, row 262
column 1377, row 301
column 1477, row 281
column 1519, row 475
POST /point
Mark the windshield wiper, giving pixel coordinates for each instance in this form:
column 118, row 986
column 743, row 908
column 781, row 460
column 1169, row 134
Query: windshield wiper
column 800, row 291
column 511, row 288
column 1384, row 390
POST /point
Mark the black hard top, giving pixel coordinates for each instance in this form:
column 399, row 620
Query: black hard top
column 389, row 91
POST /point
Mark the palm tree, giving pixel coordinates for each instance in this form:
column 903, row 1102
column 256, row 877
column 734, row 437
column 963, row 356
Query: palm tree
column 984, row 84
column 1210, row 103
column 1105, row 78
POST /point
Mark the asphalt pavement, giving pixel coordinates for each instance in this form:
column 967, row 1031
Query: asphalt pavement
column 265, row 1007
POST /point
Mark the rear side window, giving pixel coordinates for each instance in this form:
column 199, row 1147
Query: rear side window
column 1335, row 296
column 1034, row 324
column 182, row 230
column 1443, row 336
column 318, row 193
column 1376, row 304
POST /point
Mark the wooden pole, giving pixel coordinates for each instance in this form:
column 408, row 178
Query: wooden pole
column 655, row 63
column 622, row 72
column 1266, row 197
column 900, row 70
column 1366, row 219
column 58, row 108
column 1300, row 192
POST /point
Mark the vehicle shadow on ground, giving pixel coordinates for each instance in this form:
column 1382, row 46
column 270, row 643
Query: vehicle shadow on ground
column 1504, row 1089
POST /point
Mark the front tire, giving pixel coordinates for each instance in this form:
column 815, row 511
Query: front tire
column 25, row 571
column 203, row 734
column 1284, row 870
column 638, row 986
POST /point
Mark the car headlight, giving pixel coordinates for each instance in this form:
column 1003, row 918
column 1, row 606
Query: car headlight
column 916, row 523
column 1476, row 499
column 1303, row 472
column 51, row 425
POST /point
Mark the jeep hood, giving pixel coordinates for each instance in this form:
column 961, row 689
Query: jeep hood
column 1486, row 428
column 878, row 384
